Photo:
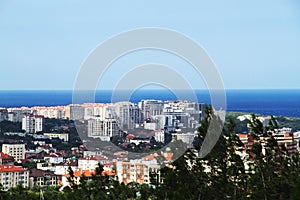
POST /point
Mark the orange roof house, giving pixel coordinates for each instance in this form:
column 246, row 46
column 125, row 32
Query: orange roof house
column 11, row 168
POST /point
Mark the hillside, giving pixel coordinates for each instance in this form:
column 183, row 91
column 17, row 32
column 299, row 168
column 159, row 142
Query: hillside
column 290, row 122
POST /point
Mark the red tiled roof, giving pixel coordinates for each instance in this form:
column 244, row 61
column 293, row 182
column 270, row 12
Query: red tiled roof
column 78, row 173
column 243, row 135
column 11, row 168
column 4, row 155
column 89, row 173
column 130, row 136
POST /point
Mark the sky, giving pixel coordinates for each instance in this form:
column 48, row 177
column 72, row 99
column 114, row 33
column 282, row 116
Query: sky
column 254, row 44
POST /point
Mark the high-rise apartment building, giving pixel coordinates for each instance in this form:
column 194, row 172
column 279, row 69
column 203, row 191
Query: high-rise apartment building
column 151, row 108
column 103, row 129
column 128, row 115
column 32, row 123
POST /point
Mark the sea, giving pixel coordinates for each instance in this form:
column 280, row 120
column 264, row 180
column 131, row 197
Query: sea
column 266, row 102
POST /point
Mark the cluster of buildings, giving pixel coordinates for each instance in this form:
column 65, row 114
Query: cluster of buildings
column 52, row 167
column 106, row 120
column 151, row 114
column 284, row 137
column 102, row 122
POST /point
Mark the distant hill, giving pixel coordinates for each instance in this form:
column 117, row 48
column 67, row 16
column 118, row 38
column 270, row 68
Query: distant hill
column 290, row 122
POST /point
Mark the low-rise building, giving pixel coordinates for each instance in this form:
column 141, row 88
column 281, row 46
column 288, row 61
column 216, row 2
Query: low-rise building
column 11, row 176
column 46, row 166
column 107, row 171
column 63, row 168
column 54, row 158
column 91, row 162
column 92, row 153
column 3, row 114
column 35, row 155
column 47, row 148
column 38, row 177
column 77, row 175
column 62, row 136
column 284, row 137
column 6, row 159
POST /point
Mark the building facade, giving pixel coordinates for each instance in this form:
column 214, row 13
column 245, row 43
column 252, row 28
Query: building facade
column 91, row 162
column 11, row 176
column 135, row 171
column 62, row 136
column 103, row 129
column 15, row 150
column 38, row 177
column 32, row 123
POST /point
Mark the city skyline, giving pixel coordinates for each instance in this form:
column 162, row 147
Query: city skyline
column 254, row 45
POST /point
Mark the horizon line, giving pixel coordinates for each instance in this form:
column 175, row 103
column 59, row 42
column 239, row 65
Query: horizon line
column 148, row 89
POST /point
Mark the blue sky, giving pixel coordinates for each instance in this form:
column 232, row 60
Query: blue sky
column 254, row 44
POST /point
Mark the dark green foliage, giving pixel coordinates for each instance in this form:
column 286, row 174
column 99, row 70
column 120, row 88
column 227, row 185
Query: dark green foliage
column 241, row 126
column 8, row 126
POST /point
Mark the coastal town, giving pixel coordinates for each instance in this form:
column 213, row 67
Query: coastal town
column 48, row 141
column 41, row 145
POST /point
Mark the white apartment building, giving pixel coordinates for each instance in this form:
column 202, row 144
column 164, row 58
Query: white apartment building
column 15, row 150
column 88, row 112
column 186, row 138
column 128, row 114
column 32, row 123
column 61, row 136
column 159, row 136
column 11, row 176
column 12, row 117
column 54, row 158
column 91, row 162
column 135, row 171
column 63, row 168
column 103, row 129
column 151, row 108
column 100, row 110
column 56, row 112
column 188, row 114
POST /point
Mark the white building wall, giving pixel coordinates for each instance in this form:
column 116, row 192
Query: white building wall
column 15, row 150
column 159, row 136
column 14, row 178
